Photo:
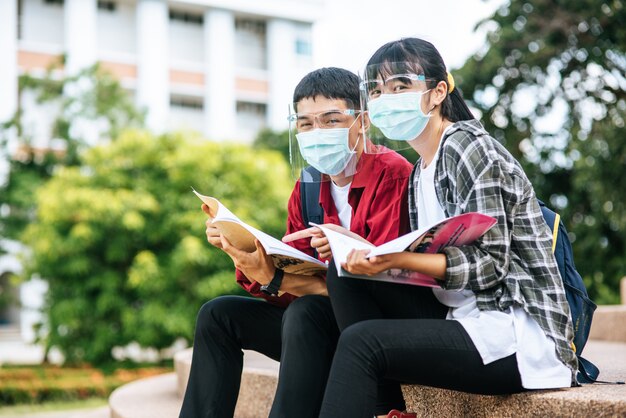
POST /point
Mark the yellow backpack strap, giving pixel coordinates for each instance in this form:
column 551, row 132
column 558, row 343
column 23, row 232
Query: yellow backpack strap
column 555, row 231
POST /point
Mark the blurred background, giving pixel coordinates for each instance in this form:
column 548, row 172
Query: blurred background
column 110, row 110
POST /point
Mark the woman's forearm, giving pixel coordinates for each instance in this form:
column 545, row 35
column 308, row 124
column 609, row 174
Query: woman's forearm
column 433, row 265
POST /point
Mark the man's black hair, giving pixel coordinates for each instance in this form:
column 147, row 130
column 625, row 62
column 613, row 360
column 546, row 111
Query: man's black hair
column 330, row 82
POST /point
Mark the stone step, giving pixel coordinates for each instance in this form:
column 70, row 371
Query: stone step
column 161, row 396
column 609, row 323
column 597, row 400
column 152, row 397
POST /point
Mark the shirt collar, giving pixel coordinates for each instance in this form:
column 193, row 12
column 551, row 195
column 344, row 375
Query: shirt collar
column 472, row 126
column 364, row 168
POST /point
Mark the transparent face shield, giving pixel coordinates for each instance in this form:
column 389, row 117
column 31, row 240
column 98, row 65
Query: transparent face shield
column 325, row 136
column 393, row 94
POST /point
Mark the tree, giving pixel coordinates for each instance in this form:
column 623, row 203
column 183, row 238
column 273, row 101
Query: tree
column 121, row 239
column 275, row 140
column 94, row 98
column 550, row 84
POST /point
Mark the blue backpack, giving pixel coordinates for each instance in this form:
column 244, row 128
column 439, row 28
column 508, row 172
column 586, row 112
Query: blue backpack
column 581, row 307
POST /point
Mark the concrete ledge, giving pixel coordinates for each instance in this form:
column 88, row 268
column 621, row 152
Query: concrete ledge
column 161, row 396
column 182, row 365
column 609, row 323
column 153, row 397
column 596, row 400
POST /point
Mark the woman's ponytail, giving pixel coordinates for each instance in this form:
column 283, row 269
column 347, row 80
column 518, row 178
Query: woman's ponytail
column 454, row 107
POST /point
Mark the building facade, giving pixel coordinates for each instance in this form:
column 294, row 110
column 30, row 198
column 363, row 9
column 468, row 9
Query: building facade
column 225, row 68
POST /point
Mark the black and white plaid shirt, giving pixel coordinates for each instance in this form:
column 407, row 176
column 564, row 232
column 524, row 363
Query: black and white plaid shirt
column 513, row 263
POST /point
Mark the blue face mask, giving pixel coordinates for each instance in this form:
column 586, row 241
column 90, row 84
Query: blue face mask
column 399, row 116
column 326, row 149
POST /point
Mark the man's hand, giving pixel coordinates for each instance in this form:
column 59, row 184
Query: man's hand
column 257, row 265
column 356, row 263
column 212, row 233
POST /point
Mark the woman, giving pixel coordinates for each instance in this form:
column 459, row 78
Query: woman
column 507, row 328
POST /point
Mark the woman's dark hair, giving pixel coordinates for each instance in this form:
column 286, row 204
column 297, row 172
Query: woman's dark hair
column 330, row 82
column 413, row 55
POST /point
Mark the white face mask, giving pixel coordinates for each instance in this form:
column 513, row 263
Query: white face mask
column 399, row 116
column 326, row 149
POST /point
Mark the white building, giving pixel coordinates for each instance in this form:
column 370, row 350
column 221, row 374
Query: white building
column 224, row 68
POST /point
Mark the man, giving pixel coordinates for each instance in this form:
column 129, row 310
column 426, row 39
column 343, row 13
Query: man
column 364, row 192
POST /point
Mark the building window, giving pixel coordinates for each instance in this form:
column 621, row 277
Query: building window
column 257, row 109
column 186, row 17
column 186, row 102
column 107, row 5
column 251, row 117
column 250, row 44
column 20, row 18
column 56, row 2
column 304, row 47
column 256, row 27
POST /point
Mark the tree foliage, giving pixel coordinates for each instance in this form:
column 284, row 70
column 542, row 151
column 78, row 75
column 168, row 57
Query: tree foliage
column 91, row 103
column 550, row 84
column 275, row 140
column 121, row 239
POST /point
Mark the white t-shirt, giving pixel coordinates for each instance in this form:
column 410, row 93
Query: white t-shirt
column 340, row 197
column 495, row 334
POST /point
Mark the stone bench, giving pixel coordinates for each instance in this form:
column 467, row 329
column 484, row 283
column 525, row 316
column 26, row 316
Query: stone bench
column 161, row 396
column 595, row 400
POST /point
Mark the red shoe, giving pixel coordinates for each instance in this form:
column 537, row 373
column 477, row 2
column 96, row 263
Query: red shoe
column 394, row 413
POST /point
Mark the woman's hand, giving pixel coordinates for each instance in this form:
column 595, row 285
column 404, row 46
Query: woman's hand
column 357, row 263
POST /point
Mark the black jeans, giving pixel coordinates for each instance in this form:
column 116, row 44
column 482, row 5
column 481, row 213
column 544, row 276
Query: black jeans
column 394, row 333
column 302, row 337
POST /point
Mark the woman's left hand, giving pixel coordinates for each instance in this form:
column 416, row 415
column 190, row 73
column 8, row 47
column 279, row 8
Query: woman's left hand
column 356, row 263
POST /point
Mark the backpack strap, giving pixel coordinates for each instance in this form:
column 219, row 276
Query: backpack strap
column 551, row 218
column 310, row 180
column 555, row 230
column 312, row 211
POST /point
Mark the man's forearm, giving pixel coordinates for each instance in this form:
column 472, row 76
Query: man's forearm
column 300, row 285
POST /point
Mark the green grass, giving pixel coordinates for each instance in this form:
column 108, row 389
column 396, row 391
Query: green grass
column 52, row 406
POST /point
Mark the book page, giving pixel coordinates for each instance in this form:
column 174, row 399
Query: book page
column 242, row 236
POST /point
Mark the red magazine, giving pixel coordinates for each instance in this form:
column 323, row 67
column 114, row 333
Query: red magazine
column 454, row 231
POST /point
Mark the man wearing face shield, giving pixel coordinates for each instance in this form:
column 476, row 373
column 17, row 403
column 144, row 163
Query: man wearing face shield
column 362, row 188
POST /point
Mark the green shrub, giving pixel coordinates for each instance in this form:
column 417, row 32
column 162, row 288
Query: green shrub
column 121, row 239
column 35, row 385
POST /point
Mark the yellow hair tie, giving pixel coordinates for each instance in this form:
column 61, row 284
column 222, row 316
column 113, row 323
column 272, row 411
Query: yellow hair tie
column 450, row 83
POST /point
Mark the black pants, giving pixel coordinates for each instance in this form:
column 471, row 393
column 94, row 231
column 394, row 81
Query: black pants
column 397, row 333
column 302, row 337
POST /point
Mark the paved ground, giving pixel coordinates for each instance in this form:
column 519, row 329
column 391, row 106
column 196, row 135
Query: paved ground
column 100, row 412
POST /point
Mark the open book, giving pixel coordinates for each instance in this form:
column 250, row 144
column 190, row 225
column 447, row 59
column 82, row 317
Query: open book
column 454, row 231
column 242, row 236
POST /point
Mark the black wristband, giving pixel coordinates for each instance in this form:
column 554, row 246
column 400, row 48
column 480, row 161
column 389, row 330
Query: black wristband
column 272, row 287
